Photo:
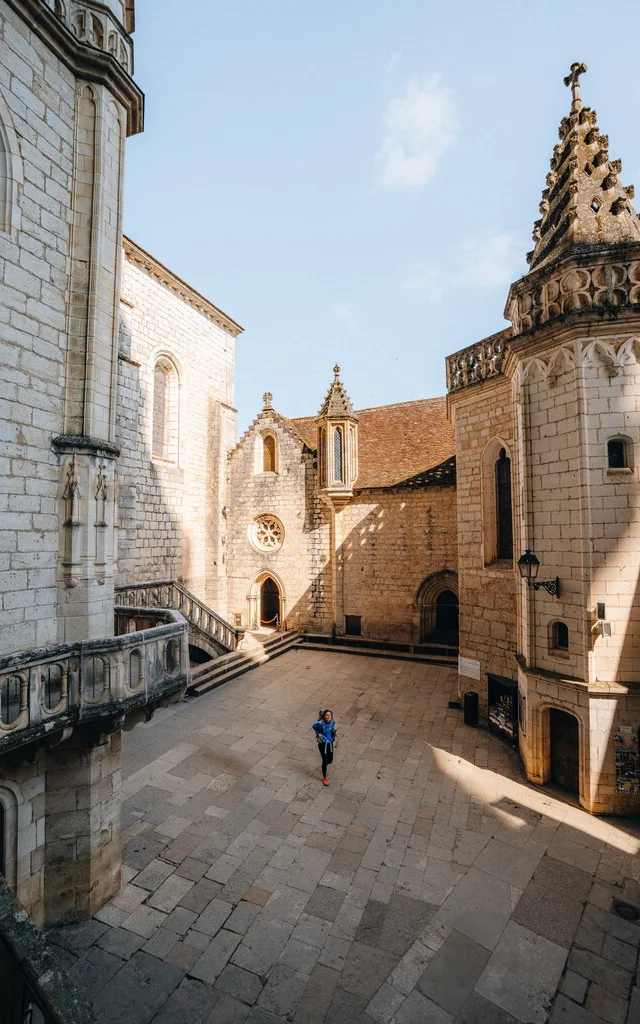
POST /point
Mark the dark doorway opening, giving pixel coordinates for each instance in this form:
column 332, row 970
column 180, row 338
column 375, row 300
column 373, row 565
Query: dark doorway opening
column 444, row 617
column 565, row 764
column 353, row 625
column 3, row 866
column 270, row 603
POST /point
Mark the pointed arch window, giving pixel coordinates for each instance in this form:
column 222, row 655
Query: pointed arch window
column 504, row 512
column 10, row 172
column 269, row 454
column 338, row 455
column 165, row 411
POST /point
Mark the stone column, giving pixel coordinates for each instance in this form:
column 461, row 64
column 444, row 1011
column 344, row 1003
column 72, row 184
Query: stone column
column 82, row 825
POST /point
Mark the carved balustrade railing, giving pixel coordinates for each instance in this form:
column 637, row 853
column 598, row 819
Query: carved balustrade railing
column 171, row 594
column 477, row 362
column 45, row 691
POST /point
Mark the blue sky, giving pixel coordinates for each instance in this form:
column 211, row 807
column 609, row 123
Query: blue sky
column 357, row 180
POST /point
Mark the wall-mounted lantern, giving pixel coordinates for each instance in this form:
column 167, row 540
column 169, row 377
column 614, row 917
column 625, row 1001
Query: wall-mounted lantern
column 528, row 565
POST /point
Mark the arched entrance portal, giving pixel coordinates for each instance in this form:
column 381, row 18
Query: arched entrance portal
column 270, row 614
column 437, row 600
column 564, row 749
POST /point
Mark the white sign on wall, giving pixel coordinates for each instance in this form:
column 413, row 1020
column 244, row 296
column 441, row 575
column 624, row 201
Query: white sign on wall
column 469, row 667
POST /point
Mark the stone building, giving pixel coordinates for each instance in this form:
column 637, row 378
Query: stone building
column 72, row 672
column 547, row 429
column 124, row 497
column 344, row 522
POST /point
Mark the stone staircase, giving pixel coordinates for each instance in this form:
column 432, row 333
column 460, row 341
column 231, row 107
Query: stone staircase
column 257, row 647
column 435, row 654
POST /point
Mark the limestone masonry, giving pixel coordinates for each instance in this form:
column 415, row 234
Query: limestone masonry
column 499, row 525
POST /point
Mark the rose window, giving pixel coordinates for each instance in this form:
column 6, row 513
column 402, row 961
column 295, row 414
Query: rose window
column 267, row 533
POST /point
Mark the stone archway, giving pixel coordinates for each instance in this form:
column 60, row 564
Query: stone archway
column 437, row 601
column 267, row 602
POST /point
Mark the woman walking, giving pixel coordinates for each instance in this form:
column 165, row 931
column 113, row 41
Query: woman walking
column 325, row 730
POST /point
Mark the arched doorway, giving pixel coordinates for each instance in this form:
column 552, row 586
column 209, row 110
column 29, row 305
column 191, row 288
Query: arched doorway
column 269, row 603
column 564, row 749
column 437, row 601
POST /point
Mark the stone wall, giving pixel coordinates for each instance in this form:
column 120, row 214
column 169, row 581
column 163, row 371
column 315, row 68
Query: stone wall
column 368, row 559
column 37, row 98
column 484, row 420
column 170, row 523
column 22, row 794
column 392, row 540
column 301, row 564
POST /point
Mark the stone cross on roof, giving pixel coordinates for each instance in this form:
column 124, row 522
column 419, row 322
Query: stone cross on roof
column 267, row 399
column 573, row 79
column 337, row 404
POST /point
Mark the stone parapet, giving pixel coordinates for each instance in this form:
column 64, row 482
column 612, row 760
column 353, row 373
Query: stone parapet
column 47, row 691
column 478, row 362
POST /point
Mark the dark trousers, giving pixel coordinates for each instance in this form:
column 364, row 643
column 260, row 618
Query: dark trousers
column 326, row 753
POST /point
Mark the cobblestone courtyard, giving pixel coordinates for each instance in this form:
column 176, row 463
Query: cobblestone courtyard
column 428, row 883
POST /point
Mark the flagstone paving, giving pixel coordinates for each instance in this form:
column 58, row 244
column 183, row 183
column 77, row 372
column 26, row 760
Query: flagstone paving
column 429, row 883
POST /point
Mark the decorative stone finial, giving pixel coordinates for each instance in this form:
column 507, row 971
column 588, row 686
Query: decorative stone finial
column 267, row 399
column 573, row 79
column 336, row 372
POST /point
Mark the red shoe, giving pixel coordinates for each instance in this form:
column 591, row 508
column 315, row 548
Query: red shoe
column 325, row 781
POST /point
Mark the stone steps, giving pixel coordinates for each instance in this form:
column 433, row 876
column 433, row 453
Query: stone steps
column 257, row 652
column 381, row 649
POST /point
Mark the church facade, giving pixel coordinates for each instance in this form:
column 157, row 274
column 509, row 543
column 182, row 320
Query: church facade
column 512, row 503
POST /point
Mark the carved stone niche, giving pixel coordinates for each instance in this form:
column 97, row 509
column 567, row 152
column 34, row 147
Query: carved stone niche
column 599, row 279
column 96, row 25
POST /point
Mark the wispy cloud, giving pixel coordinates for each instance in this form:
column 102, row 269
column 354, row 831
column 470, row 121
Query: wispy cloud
column 393, row 60
column 491, row 260
column 345, row 314
column 419, row 127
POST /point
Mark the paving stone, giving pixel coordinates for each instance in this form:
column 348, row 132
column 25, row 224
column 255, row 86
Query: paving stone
column 312, row 930
column 479, row 907
column 213, row 917
column 523, row 974
column 144, row 921
column 182, row 955
column 258, row 896
column 215, row 956
column 283, row 990
column 606, row 1004
column 190, row 1003
column 94, row 970
column 478, row 1010
column 394, row 925
column 140, row 988
column 191, row 868
column 347, row 1008
column 325, row 903
column 180, row 920
column 556, row 919
column 567, row 1012
column 130, row 897
column 417, row 1009
column 168, row 895
column 154, row 874
column 200, row 895
column 505, row 862
column 557, row 876
column 262, row 945
column 300, row 956
column 603, row 972
column 77, row 937
column 384, row 1004
column 286, row 904
column 453, row 971
column 316, row 998
column 111, row 915
column 619, row 952
column 121, row 943
column 141, row 850
column 364, row 970
column 161, row 943
column 240, row 984
column 574, row 986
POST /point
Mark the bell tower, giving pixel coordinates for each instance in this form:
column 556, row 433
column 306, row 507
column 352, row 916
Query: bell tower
column 337, row 444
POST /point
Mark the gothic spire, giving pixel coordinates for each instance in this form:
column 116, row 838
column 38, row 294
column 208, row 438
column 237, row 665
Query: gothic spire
column 584, row 202
column 337, row 404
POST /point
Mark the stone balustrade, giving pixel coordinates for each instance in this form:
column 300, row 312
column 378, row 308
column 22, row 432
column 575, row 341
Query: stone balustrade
column 477, row 362
column 171, row 594
column 44, row 692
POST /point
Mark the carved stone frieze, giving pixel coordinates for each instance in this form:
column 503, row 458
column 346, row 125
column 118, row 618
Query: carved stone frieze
column 609, row 354
column 601, row 286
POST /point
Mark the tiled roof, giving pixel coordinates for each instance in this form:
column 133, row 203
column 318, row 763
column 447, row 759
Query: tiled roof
column 396, row 442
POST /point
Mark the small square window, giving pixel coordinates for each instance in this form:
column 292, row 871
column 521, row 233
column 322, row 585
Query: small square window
column 617, row 454
column 353, row 625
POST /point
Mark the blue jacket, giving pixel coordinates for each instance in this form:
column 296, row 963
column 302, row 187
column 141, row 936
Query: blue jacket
column 325, row 731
